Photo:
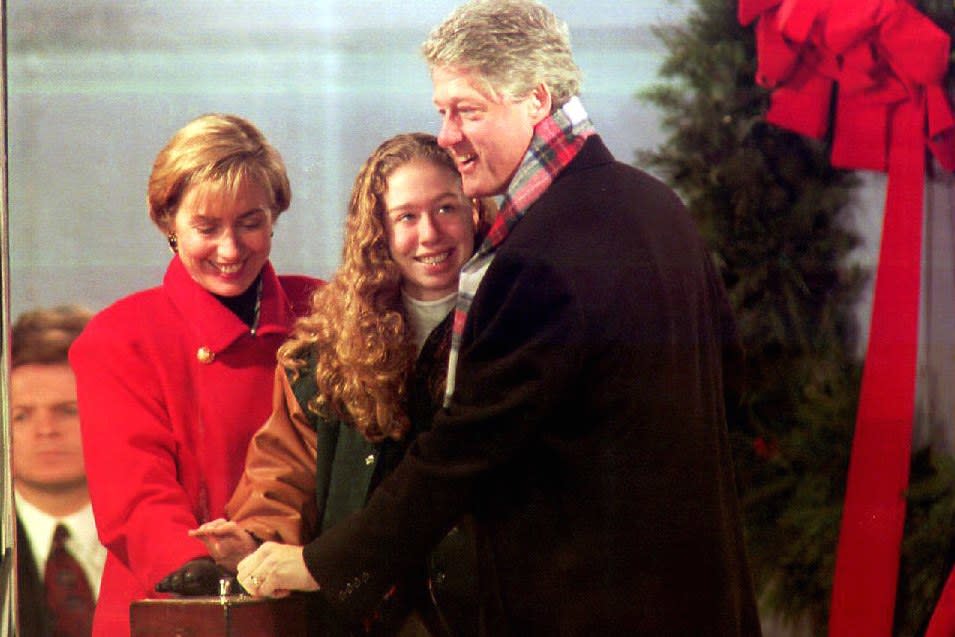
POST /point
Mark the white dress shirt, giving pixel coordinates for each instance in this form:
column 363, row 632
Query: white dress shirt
column 82, row 544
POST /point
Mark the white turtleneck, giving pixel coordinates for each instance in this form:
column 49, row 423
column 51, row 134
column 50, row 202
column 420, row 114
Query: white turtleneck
column 82, row 543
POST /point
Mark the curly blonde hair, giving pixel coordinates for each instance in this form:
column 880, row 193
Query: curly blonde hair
column 357, row 335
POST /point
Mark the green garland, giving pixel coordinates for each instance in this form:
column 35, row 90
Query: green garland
column 773, row 211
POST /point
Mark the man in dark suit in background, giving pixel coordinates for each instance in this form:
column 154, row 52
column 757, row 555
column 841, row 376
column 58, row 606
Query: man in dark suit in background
column 584, row 430
column 55, row 528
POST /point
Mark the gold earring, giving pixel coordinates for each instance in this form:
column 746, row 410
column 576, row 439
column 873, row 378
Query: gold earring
column 173, row 242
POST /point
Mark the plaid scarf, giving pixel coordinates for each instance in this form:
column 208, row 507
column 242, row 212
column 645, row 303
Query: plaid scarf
column 557, row 140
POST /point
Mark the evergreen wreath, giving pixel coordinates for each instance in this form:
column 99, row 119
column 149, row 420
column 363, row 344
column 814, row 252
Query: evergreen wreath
column 773, row 211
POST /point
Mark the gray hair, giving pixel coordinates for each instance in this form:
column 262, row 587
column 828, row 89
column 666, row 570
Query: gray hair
column 512, row 45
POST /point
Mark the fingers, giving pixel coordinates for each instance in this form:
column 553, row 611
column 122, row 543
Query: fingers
column 275, row 569
column 246, row 568
column 220, row 526
column 208, row 526
column 214, row 546
column 226, row 541
column 264, row 586
column 216, row 549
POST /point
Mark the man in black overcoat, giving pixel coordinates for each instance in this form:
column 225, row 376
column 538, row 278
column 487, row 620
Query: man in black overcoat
column 584, row 432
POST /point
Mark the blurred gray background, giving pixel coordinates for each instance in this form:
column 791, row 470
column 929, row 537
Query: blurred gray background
column 96, row 87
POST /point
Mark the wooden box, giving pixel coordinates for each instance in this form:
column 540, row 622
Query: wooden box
column 226, row 616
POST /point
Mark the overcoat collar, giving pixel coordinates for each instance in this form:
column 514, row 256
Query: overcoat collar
column 214, row 325
column 593, row 153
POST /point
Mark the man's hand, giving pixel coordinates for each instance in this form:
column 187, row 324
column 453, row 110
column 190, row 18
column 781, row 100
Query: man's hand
column 196, row 577
column 274, row 570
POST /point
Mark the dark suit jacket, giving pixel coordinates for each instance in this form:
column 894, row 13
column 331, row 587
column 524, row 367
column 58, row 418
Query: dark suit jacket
column 34, row 620
column 587, row 434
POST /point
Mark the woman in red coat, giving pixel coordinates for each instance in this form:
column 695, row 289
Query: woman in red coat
column 173, row 381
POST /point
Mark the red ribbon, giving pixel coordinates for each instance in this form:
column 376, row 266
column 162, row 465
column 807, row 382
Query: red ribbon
column 887, row 62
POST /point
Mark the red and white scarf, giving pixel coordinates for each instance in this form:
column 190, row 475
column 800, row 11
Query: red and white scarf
column 557, row 140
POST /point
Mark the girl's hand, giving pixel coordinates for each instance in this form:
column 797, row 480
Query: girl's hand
column 226, row 541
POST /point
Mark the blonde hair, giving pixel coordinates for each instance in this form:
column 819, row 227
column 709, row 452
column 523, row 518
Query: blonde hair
column 511, row 45
column 44, row 335
column 357, row 335
column 215, row 149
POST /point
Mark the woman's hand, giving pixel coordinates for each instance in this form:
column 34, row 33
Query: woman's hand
column 274, row 570
column 226, row 541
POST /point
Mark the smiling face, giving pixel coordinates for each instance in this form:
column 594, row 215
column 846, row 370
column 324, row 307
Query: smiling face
column 487, row 135
column 47, row 448
column 430, row 228
column 224, row 238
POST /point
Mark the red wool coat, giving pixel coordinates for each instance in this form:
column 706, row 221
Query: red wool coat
column 171, row 387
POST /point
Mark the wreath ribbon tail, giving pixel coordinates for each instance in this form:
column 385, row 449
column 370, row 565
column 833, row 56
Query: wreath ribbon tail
column 867, row 557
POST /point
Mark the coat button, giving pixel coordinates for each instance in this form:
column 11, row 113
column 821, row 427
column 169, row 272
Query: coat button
column 205, row 355
column 370, row 459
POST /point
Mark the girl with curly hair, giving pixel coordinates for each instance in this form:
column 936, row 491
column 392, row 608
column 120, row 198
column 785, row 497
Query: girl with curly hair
column 361, row 376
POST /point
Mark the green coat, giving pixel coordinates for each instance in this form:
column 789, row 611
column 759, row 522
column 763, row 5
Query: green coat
column 348, row 468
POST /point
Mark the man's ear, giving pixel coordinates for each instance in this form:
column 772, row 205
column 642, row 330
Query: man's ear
column 540, row 103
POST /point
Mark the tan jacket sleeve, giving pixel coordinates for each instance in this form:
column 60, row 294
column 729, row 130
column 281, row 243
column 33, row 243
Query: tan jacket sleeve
column 275, row 498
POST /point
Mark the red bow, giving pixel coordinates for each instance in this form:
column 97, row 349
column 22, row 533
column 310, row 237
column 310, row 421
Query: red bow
column 882, row 53
column 887, row 62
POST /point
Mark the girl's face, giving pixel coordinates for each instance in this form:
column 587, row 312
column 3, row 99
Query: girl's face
column 224, row 239
column 430, row 227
